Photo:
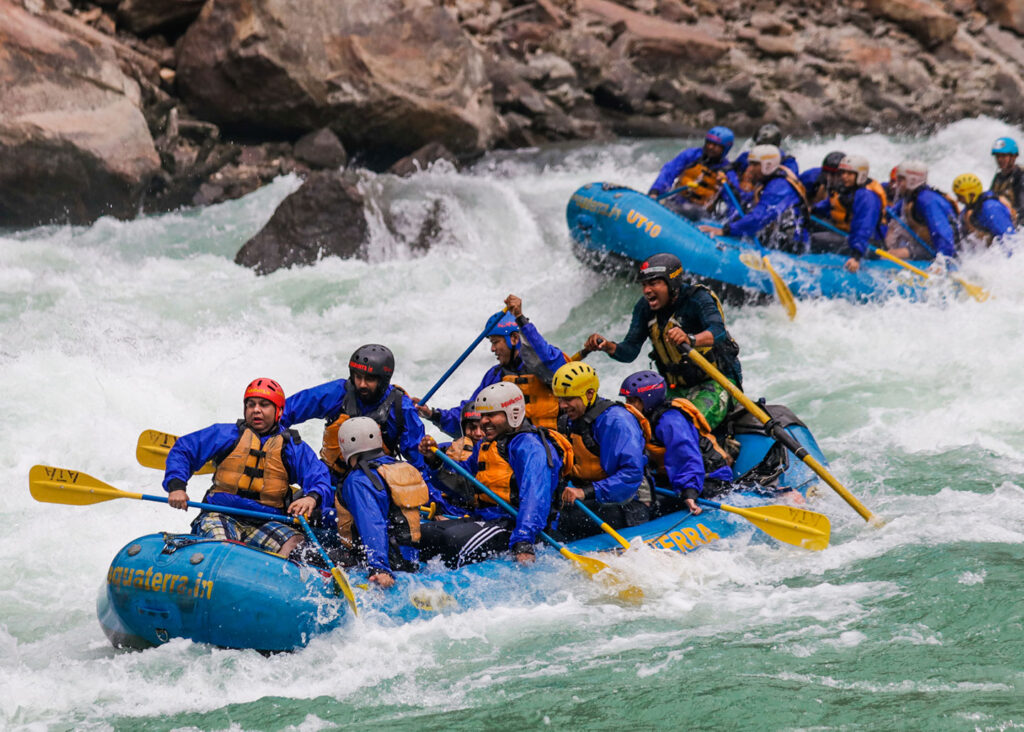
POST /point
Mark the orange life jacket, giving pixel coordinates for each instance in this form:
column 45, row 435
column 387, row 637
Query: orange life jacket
column 700, row 183
column 406, row 490
column 842, row 204
column 495, row 471
column 586, row 464
column 713, row 455
column 541, row 403
column 255, row 471
column 460, row 450
column 329, row 451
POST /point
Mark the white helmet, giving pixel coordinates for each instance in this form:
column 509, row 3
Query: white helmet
column 914, row 172
column 768, row 156
column 503, row 397
column 858, row 165
column 357, row 435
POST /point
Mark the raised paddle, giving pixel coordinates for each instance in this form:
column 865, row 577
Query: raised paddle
column 75, row 488
column 782, row 292
column 587, row 564
column 152, row 448
column 492, row 321
column 978, row 293
column 778, row 433
column 796, row 526
column 603, row 526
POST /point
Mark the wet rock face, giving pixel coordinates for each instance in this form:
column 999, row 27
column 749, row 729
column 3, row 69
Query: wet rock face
column 73, row 146
column 386, row 74
column 325, row 217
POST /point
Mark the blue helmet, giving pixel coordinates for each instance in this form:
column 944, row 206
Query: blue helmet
column 721, row 136
column 1005, row 146
column 505, row 328
column 647, row 386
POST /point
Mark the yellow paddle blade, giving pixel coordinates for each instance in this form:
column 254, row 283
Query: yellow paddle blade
column 795, row 526
column 629, row 594
column 782, row 291
column 977, row 292
column 152, row 448
column 346, row 589
column 752, row 260
column 48, row 484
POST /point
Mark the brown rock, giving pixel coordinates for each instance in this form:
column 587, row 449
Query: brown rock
column 770, row 24
column 866, row 55
column 1008, row 13
column 1004, row 43
column 777, row 45
column 147, row 16
column 74, row 146
column 422, row 158
column 321, row 149
column 654, row 36
column 925, row 20
column 325, row 217
column 676, row 12
column 383, row 76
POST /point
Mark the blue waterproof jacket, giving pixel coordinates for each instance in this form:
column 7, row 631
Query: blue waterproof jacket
column 671, row 170
column 536, row 483
column 450, row 420
column 776, row 197
column 623, row 457
column 683, row 462
column 934, row 211
column 990, row 214
column 866, row 228
column 193, row 450
column 370, row 508
column 325, row 402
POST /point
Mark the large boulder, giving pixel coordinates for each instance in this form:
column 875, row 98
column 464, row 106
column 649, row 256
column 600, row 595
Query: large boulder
column 325, row 217
column 73, row 146
column 147, row 16
column 1008, row 13
column 389, row 75
column 927, row 21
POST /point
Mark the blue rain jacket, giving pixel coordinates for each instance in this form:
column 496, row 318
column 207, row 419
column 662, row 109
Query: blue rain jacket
column 683, row 462
column 537, row 484
column 370, row 508
column 193, row 450
column 450, row 420
column 325, row 401
column 776, row 197
column 991, row 214
column 934, row 211
column 671, row 170
column 866, row 229
column 623, row 457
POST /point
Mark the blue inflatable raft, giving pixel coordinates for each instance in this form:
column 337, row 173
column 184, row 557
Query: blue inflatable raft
column 612, row 226
column 164, row 586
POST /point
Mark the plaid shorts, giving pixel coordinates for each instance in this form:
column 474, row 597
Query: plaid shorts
column 269, row 536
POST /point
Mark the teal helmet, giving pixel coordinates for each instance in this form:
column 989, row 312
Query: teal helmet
column 1005, row 146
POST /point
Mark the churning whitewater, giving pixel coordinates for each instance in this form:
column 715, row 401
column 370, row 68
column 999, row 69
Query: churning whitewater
column 121, row 327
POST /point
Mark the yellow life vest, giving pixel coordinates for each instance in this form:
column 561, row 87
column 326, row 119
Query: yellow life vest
column 329, row 451
column 677, row 369
column 460, row 450
column 541, row 403
column 406, row 490
column 713, row 455
column 254, row 471
column 842, row 204
column 586, row 452
column 495, row 471
column 700, row 183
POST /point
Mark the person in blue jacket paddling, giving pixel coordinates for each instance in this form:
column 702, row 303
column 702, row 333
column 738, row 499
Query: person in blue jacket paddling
column 668, row 314
column 256, row 461
column 857, row 207
column 608, row 460
column 1008, row 181
column 525, row 359
column 685, row 456
column 379, row 502
column 778, row 216
column 697, row 173
column 519, row 462
column 368, row 392
column 986, row 215
column 931, row 215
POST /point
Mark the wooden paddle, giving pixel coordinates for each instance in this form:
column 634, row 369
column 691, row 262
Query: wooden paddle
column 796, row 526
column 587, row 564
column 74, row 488
column 778, row 433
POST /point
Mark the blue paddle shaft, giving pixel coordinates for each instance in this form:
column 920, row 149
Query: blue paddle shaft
column 581, row 506
column 830, row 227
column 494, row 496
column 283, row 518
column 701, row 501
column 906, row 228
column 465, row 354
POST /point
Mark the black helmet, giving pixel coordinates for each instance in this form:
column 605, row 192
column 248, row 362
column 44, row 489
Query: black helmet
column 373, row 359
column 662, row 266
column 831, row 162
column 768, row 134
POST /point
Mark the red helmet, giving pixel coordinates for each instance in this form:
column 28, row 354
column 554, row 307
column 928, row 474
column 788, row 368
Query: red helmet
column 266, row 389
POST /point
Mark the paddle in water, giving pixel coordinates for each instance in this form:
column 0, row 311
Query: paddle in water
column 49, row 484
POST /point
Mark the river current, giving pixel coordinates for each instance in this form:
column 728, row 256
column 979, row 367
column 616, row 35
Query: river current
column 122, row 326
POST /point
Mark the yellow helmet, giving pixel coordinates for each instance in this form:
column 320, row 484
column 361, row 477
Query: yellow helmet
column 967, row 187
column 575, row 379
